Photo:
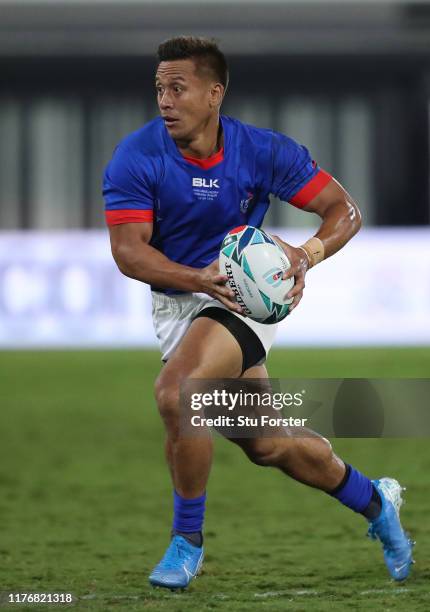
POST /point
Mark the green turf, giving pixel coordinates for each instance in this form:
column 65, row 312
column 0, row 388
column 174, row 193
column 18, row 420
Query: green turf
column 85, row 496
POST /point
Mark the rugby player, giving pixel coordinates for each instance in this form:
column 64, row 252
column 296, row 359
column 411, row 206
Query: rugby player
column 173, row 189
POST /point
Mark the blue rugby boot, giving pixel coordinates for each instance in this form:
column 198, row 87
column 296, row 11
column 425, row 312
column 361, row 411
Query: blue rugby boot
column 387, row 528
column 180, row 564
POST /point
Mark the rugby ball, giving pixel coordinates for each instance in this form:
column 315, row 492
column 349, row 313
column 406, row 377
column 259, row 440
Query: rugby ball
column 254, row 264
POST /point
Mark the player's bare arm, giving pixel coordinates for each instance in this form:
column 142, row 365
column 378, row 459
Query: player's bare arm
column 341, row 220
column 137, row 259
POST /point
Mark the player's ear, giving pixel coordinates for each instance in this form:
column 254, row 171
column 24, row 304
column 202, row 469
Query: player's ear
column 216, row 94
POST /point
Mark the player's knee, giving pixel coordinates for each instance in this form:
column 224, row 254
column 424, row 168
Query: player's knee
column 167, row 394
column 167, row 398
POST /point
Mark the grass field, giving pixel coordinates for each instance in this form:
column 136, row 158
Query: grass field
column 85, row 503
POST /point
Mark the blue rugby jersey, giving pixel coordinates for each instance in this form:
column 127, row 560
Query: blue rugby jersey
column 194, row 203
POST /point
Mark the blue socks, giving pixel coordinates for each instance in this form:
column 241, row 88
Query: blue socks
column 188, row 518
column 357, row 492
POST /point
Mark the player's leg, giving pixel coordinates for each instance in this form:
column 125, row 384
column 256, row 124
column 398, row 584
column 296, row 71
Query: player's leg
column 311, row 460
column 207, row 350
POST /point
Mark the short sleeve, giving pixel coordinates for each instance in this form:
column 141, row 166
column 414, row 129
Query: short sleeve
column 297, row 179
column 127, row 189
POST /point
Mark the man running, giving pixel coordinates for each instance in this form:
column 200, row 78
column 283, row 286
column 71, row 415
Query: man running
column 173, row 189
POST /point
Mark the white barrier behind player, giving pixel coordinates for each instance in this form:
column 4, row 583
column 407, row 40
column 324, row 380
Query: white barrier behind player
column 62, row 289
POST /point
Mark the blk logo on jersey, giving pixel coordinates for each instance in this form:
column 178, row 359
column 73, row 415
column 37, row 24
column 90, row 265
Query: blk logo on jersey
column 206, row 189
column 208, row 183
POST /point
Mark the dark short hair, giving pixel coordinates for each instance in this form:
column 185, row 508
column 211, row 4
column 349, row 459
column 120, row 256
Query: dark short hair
column 203, row 51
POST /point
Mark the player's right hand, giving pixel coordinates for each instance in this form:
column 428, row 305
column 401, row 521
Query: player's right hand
column 214, row 284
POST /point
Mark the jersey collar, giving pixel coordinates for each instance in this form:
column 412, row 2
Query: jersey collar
column 209, row 162
column 204, row 164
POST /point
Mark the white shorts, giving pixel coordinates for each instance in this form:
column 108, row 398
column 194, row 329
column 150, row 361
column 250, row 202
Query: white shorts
column 173, row 314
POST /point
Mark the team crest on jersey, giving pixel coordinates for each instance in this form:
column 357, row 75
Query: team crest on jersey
column 244, row 204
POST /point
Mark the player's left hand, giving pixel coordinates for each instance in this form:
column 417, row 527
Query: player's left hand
column 299, row 267
column 215, row 285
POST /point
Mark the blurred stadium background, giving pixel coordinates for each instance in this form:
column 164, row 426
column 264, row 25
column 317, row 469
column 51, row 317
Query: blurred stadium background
column 349, row 80
column 81, row 463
